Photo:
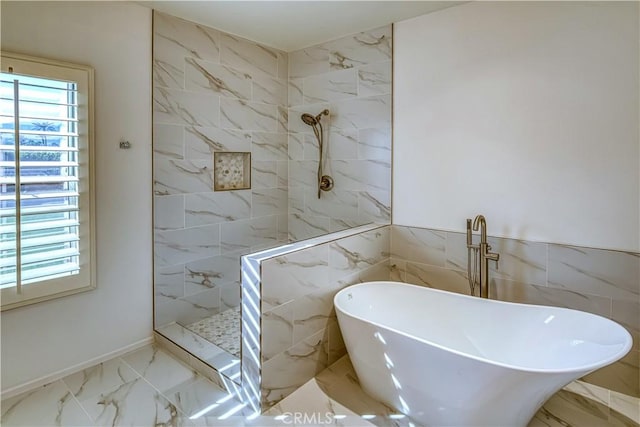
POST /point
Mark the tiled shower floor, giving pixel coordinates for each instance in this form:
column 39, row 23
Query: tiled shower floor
column 222, row 329
column 149, row 387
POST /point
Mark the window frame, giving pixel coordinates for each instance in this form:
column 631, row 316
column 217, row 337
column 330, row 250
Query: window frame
column 85, row 280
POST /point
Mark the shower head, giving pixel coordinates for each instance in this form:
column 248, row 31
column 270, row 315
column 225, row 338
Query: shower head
column 311, row 120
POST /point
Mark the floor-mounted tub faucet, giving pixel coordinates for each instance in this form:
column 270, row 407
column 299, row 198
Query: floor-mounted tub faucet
column 479, row 274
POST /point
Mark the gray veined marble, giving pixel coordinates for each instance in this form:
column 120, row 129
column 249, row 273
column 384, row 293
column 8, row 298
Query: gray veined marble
column 269, row 201
column 211, row 272
column 214, row 78
column 374, row 79
column 185, row 39
column 168, row 212
column 172, row 106
column 332, row 86
column 361, row 49
column 359, row 252
column 264, row 174
column 182, row 176
column 212, row 208
column 295, row 88
column 309, row 61
column 361, row 175
column 201, row 142
column 168, row 141
column 374, row 206
column 277, row 331
column 342, row 144
column 270, row 90
column 238, row 114
column 304, row 173
column 248, row 56
column 303, row 226
column 269, row 146
column 360, row 113
column 169, row 281
column 243, row 235
column 418, row 244
column 180, row 246
column 375, row 144
column 336, row 204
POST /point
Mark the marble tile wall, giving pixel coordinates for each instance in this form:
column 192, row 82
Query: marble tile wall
column 290, row 330
column 213, row 92
column 603, row 282
column 350, row 76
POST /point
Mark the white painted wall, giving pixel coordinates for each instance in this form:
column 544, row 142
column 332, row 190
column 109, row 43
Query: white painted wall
column 114, row 38
column 525, row 112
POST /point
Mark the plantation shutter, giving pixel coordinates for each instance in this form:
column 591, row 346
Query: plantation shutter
column 45, row 218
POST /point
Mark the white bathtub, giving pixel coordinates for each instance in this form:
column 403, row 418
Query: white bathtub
column 450, row 359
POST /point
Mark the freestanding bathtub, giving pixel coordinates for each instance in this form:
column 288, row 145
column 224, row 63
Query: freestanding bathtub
column 450, row 359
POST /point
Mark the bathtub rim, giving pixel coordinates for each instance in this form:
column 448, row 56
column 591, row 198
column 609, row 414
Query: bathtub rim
column 586, row 368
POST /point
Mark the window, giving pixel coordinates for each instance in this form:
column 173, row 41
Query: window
column 46, row 194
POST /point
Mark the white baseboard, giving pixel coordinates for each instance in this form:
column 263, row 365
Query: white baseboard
column 39, row 382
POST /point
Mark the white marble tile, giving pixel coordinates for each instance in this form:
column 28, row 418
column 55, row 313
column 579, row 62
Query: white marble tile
column 397, row 270
column 270, row 90
column 336, row 345
column 181, row 246
column 309, row 61
column 520, row 260
column 608, row 273
column 305, row 226
column 296, row 200
column 287, row 371
column 335, row 204
column 542, row 295
column 282, row 169
column 133, row 404
column 201, row 142
column 626, row 405
column 356, row 253
column 283, row 228
column 264, row 174
column 167, row 309
column 360, row 113
column 168, row 141
column 374, row 206
column 374, row 79
column 169, row 281
column 295, row 87
column 283, row 65
column 418, row 244
column 182, row 176
column 244, row 234
column 190, row 341
column 303, row 173
column 361, row 49
column 312, row 148
column 195, row 397
column 361, row 175
column 374, row 144
column 96, row 379
column 269, row 146
column 283, row 119
column 312, row 313
column 248, row 56
column 168, row 212
column 186, row 39
column 342, row 144
column 437, row 278
column 622, row 376
column 239, row 114
column 332, row 86
column 171, row 106
column 277, row 330
column 209, row 77
column 51, row 405
column 230, row 294
column 212, row 272
column 288, row 277
column 207, row 302
column 159, row 368
column 212, row 208
column 268, row 201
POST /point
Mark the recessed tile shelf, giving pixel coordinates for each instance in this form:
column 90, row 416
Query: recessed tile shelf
column 231, row 171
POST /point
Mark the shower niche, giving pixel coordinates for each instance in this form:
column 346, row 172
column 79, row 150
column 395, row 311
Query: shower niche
column 237, row 170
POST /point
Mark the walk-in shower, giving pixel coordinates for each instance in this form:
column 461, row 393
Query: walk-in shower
column 325, row 182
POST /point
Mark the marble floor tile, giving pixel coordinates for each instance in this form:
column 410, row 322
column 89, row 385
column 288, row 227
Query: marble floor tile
column 198, row 397
column 159, row 368
column 96, row 379
column 628, row 406
column 136, row 403
column 51, row 405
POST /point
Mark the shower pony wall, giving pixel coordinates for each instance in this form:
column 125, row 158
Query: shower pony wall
column 220, row 95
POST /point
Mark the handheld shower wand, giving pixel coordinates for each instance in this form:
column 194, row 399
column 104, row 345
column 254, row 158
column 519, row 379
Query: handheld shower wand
column 325, row 182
